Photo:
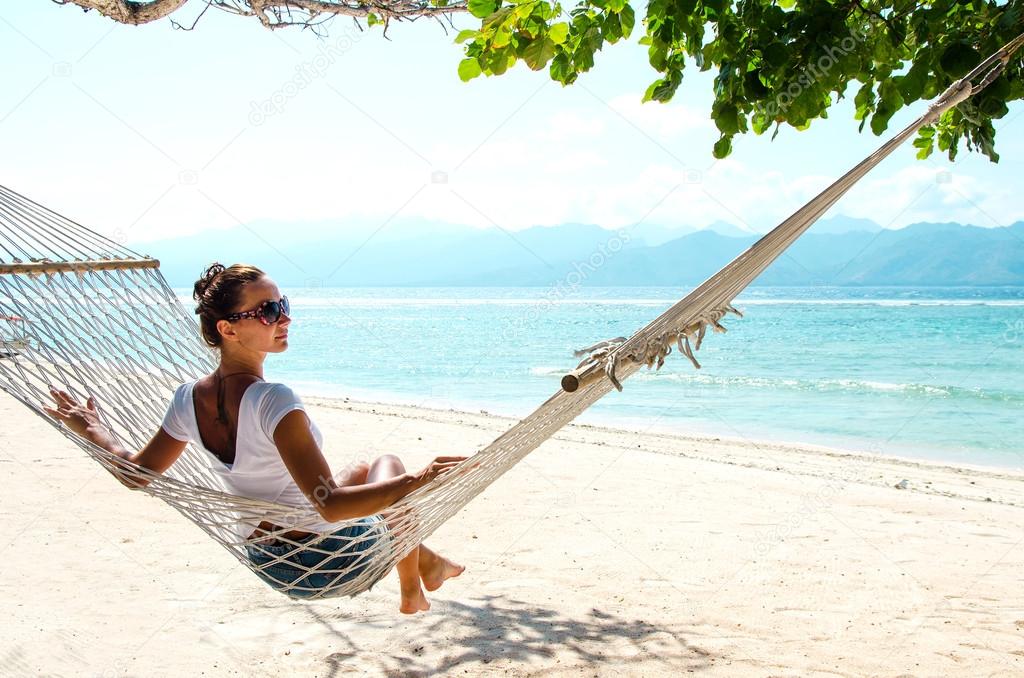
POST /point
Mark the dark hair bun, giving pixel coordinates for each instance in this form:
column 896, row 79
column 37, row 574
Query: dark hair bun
column 204, row 282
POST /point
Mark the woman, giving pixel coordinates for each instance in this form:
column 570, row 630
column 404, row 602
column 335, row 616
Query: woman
column 243, row 421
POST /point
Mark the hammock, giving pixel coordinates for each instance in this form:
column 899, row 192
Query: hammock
column 100, row 320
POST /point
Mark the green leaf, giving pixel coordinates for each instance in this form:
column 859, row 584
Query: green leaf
column 627, row 19
column 372, row 19
column 880, row 120
column 482, row 8
column 890, row 102
column 611, row 30
column 524, row 10
column 776, row 54
column 760, row 122
column 753, row 87
column 539, row 52
column 945, row 140
column 583, row 59
column 465, row 35
column 502, row 37
column 912, row 84
column 561, row 69
column 925, row 136
column 495, row 18
column 501, row 61
column 558, row 32
column 469, row 69
column 663, row 89
column 723, row 147
column 864, row 101
column 726, row 119
column 657, row 54
column 925, row 142
column 958, row 59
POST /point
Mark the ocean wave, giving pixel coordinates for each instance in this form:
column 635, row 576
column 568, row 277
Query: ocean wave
column 346, row 302
column 548, row 371
column 880, row 302
column 327, row 302
column 852, row 386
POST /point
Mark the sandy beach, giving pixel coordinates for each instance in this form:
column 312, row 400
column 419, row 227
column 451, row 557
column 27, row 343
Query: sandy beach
column 606, row 552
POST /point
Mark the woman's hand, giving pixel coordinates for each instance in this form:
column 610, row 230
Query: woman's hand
column 157, row 456
column 437, row 468
column 77, row 418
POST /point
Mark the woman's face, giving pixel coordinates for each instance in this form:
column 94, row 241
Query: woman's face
column 251, row 333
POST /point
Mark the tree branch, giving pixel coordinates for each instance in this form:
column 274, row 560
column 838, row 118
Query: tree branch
column 128, row 11
column 271, row 13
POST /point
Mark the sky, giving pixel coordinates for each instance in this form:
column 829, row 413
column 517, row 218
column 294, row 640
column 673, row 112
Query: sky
column 145, row 133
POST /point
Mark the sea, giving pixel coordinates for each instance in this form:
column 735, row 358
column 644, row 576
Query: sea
column 923, row 373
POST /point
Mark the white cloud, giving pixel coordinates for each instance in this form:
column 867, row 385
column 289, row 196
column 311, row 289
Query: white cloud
column 547, row 164
column 662, row 120
column 563, row 125
column 929, row 192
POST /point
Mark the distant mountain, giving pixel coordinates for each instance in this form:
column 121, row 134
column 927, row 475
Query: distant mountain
column 941, row 254
column 653, row 235
column 837, row 251
column 843, row 224
column 731, row 230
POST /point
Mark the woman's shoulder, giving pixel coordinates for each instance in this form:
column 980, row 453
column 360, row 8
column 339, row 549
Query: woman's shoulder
column 181, row 389
column 274, row 402
column 276, row 394
column 273, row 387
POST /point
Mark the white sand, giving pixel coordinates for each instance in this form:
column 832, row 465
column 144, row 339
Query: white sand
column 604, row 553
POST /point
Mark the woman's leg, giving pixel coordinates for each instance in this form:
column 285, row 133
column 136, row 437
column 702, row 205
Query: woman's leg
column 421, row 561
column 353, row 474
column 435, row 568
column 408, row 568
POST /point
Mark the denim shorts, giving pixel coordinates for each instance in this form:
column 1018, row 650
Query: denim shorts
column 335, row 557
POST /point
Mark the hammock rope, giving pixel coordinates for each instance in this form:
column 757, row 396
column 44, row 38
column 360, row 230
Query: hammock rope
column 100, row 320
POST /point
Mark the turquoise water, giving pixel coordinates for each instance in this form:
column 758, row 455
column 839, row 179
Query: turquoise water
column 932, row 373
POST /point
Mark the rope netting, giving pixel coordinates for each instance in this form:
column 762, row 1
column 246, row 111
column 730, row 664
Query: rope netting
column 98, row 319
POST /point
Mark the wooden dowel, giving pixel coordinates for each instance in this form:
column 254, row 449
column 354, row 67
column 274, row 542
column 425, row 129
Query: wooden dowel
column 75, row 266
column 582, row 376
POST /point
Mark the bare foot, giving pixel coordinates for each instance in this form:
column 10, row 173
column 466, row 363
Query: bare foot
column 440, row 570
column 414, row 602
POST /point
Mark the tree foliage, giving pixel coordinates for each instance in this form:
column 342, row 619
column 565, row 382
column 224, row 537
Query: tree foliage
column 775, row 63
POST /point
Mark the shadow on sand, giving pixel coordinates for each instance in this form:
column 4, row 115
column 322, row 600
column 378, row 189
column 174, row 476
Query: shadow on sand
column 495, row 630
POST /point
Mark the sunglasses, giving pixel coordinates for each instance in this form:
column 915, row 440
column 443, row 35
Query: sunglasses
column 269, row 312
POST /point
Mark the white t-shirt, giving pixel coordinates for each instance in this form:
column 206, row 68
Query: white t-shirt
column 258, row 471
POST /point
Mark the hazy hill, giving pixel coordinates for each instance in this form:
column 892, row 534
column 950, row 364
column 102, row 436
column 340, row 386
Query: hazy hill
column 838, row 251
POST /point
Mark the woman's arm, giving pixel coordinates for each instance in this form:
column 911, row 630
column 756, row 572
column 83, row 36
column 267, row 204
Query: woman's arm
column 157, row 456
column 309, row 469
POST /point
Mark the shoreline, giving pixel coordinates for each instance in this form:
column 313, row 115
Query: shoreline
column 737, row 451
column 681, row 427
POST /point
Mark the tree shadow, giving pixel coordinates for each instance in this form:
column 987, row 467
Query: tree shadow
column 499, row 629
